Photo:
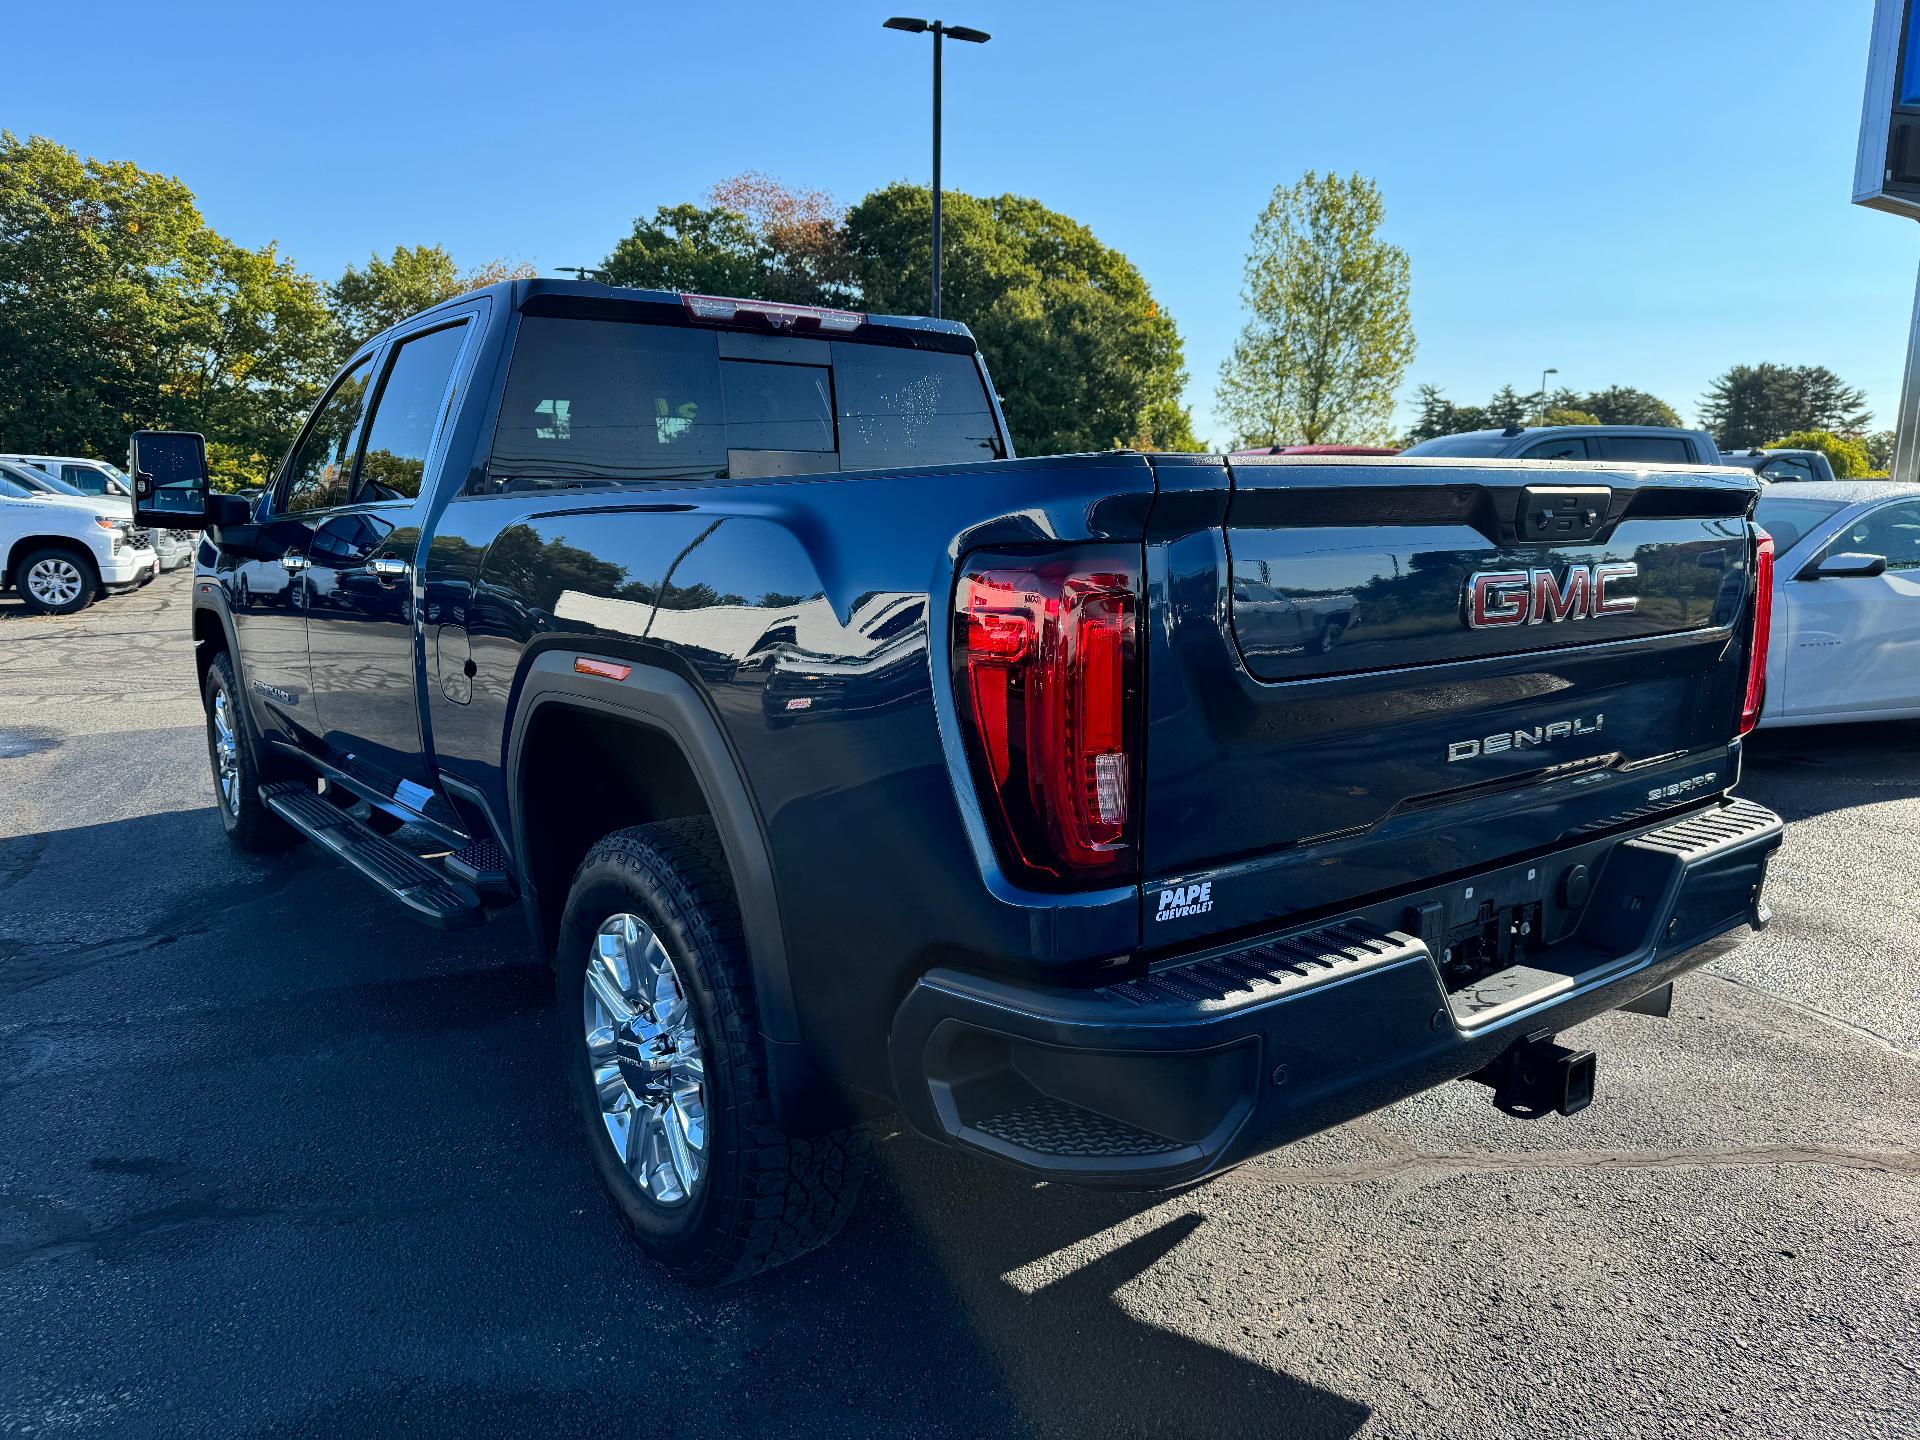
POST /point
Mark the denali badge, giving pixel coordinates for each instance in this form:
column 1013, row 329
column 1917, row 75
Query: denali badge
column 1523, row 739
column 1497, row 598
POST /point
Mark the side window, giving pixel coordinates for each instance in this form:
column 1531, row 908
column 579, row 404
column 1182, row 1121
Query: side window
column 320, row 471
column 1892, row 531
column 1646, row 449
column 1570, row 447
column 406, row 413
column 84, row 477
column 910, row 407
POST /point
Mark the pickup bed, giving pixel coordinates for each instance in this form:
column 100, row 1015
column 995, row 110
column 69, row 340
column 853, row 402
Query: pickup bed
column 1118, row 817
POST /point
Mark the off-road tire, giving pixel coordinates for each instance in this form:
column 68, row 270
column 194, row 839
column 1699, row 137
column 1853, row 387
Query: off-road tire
column 765, row 1197
column 244, row 815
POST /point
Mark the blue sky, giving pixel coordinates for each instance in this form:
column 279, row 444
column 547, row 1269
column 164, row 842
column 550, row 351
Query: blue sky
column 1634, row 193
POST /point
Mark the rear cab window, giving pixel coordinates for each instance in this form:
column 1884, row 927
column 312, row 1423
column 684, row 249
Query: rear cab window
column 595, row 401
column 1647, row 449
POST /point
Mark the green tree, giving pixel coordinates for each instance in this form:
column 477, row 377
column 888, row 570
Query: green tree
column 1879, row 445
column 416, row 277
column 684, row 247
column 1330, row 334
column 1569, row 415
column 1082, row 355
column 1440, row 416
column 1849, row 458
column 1624, row 405
column 1749, row 403
column 755, row 237
column 121, row 309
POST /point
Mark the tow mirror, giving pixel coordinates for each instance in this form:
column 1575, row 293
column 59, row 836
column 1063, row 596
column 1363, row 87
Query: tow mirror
column 171, row 486
column 1850, row 566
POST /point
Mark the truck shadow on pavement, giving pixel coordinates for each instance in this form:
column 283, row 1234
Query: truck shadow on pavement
column 1812, row 770
column 1076, row 1356
column 366, row 1121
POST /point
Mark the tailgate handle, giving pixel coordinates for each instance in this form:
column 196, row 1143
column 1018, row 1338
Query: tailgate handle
column 1562, row 512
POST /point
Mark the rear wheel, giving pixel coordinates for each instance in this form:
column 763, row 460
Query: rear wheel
column 57, row 581
column 236, row 781
column 664, row 1063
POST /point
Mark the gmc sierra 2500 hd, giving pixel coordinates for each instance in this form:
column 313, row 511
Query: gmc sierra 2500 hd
column 1116, row 816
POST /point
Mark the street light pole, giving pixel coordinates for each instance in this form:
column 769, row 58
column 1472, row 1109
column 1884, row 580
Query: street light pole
column 937, row 33
column 1541, row 415
column 940, row 30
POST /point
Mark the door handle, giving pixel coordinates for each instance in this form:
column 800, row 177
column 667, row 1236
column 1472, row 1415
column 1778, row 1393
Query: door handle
column 294, row 560
column 388, row 568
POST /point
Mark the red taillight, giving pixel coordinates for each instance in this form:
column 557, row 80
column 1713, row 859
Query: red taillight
column 1046, row 671
column 1762, row 630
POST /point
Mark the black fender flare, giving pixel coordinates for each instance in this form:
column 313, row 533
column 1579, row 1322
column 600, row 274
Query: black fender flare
column 663, row 700
column 212, row 599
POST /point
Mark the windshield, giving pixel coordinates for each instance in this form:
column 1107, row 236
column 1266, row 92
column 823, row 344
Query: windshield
column 13, row 489
column 47, row 484
column 1484, row 445
column 1786, row 520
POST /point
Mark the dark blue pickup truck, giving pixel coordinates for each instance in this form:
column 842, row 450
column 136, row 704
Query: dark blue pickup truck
column 1118, row 817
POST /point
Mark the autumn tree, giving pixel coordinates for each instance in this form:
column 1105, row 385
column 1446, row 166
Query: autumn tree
column 755, row 237
column 1330, row 333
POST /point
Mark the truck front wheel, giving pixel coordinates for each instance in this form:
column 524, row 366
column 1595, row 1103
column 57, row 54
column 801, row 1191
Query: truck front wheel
column 57, row 581
column 236, row 782
column 664, row 1063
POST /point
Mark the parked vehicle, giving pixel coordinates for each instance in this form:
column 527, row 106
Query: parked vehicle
column 1846, row 636
column 1793, row 466
column 809, row 730
column 1314, row 450
column 1625, row 444
column 110, row 488
column 58, row 552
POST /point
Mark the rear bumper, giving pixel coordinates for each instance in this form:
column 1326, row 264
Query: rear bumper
column 1211, row 1059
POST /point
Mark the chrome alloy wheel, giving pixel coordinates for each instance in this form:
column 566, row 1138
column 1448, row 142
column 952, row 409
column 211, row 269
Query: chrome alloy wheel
column 226, row 755
column 54, row 581
column 645, row 1054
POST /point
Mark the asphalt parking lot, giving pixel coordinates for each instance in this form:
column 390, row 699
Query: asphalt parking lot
column 273, row 1161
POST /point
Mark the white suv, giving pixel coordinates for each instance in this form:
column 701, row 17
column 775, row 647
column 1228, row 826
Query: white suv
column 59, row 552
column 77, row 475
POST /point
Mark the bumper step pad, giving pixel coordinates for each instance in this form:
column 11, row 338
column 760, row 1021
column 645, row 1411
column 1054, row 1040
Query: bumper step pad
column 1043, row 1125
column 426, row 892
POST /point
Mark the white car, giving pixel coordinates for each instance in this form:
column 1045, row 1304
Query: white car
column 108, row 484
column 58, row 552
column 1846, row 602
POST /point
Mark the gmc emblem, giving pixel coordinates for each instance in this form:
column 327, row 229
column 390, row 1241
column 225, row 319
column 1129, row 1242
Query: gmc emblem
column 1498, row 598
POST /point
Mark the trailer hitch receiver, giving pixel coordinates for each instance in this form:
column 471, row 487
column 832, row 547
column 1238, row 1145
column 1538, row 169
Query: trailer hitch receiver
column 1536, row 1077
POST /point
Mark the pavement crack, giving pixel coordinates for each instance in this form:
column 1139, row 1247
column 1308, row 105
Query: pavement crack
column 1852, row 1027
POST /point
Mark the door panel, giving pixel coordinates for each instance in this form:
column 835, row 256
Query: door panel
column 1854, row 643
column 361, row 636
column 267, row 589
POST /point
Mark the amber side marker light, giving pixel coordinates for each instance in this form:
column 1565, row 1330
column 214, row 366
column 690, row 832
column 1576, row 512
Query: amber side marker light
column 605, row 669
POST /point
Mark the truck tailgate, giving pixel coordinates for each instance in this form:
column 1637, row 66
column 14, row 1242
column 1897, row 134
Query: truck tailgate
column 1364, row 675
